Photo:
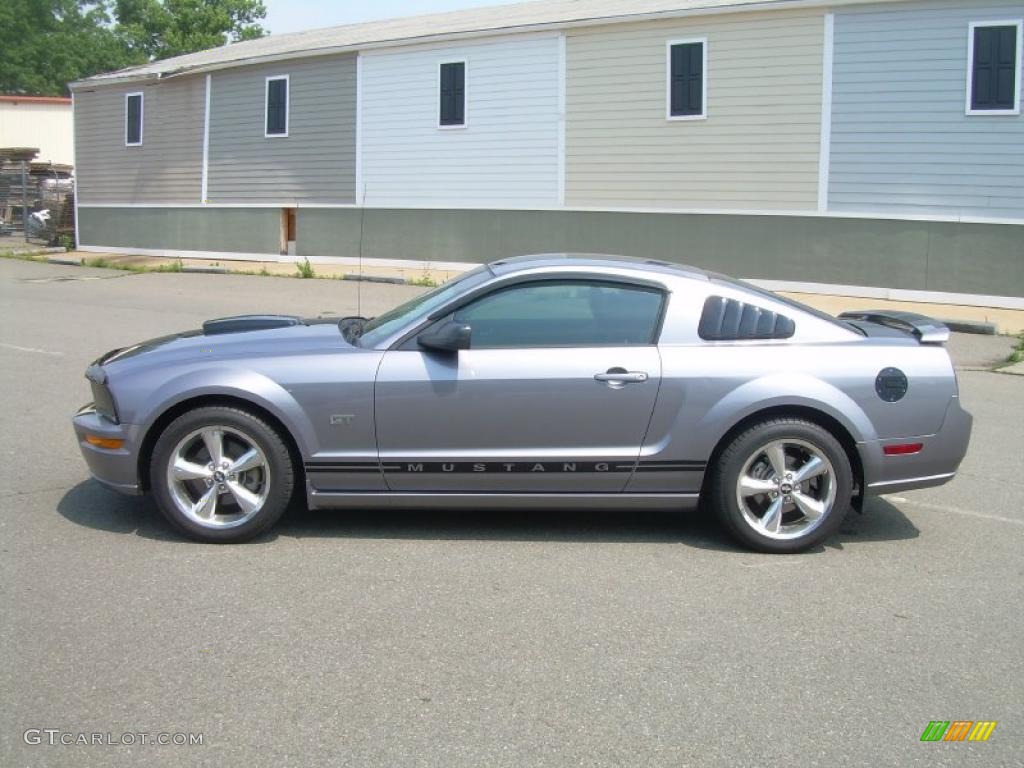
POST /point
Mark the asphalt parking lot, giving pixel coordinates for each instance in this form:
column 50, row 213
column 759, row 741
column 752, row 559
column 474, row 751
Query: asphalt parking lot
column 480, row 639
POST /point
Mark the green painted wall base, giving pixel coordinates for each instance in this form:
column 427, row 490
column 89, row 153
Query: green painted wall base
column 235, row 230
column 913, row 255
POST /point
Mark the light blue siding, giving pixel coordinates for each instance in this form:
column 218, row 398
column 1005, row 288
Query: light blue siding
column 901, row 141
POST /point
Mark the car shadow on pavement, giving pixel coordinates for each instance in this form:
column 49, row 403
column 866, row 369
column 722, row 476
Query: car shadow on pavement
column 91, row 505
column 881, row 521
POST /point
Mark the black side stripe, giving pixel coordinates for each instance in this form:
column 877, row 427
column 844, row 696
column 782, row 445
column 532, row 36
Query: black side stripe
column 675, row 466
column 506, row 467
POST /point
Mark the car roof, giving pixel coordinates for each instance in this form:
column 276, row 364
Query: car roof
column 603, row 260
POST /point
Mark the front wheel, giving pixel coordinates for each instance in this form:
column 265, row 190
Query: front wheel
column 783, row 485
column 221, row 474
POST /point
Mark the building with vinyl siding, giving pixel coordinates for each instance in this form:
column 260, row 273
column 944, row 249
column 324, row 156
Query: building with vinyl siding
column 871, row 147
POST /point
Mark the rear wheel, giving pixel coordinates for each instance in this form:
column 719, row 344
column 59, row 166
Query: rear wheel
column 783, row 485
column 221, row 474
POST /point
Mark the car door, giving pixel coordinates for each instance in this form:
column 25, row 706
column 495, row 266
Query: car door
column 554, row 394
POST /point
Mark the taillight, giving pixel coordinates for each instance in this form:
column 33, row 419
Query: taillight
column 902, row 449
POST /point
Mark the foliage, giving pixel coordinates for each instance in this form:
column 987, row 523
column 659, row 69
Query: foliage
column 305, row 269
column 67, row 242
column 426, row 281
column 174, row 266
column 1018, row 352
column 46, row 44
column 162, row 28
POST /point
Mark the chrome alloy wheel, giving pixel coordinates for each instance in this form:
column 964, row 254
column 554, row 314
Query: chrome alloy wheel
column 786, row 489
column 218, row 477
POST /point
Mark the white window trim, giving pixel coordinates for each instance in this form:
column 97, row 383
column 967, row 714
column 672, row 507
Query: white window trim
column 465, row 95
column 1019, row 24
column 287, row 106
column 704, row 79
column 142, row 117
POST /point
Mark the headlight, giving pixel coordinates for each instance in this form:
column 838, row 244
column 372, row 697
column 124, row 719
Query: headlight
column 102, row 400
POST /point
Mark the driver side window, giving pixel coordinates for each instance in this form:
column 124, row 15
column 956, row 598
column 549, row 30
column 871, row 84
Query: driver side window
column 564, row 314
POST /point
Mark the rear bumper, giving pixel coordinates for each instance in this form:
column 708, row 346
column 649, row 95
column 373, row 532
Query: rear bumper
column 117, row 469
column 935, row 464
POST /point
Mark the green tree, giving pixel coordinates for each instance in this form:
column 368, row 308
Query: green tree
column 45, row 44
column 162, row 28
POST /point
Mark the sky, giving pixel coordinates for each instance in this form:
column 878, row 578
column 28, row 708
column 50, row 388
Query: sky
column 296, row 15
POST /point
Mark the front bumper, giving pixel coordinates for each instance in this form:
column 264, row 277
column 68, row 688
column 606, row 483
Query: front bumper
column 935, row 464
column 115, row 468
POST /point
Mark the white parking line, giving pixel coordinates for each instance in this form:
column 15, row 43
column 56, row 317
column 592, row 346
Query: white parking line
column 16, row 348
column 955, row 510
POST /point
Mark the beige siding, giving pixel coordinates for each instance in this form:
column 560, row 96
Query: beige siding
column 167, row 168
column 758, row 147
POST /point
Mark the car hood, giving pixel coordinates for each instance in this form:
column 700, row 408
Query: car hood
column 231, row 338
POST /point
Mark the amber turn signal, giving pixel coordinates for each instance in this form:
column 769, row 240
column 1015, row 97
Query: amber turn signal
column 112, row 443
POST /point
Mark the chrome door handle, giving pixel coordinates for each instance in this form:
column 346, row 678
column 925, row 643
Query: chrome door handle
column 620, row 376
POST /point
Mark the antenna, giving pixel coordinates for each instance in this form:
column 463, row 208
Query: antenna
column 359, row 282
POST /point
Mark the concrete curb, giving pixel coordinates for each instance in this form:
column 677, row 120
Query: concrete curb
column 376, row 279
column 1013, row 369
column 970, row 326
column 206, row 270
column 65, row 261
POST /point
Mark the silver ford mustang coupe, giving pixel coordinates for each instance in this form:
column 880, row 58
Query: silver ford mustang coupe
column 549, row 381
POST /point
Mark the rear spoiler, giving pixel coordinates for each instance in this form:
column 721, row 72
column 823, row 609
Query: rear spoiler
column 927, row 330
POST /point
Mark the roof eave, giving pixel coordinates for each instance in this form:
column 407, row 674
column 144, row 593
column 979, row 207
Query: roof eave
column 746, row 7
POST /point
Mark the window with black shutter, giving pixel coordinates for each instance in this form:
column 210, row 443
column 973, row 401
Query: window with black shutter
column 995, row 68
column 133, row 119
column 686, row 62
column 453, row 94
column 277, row 106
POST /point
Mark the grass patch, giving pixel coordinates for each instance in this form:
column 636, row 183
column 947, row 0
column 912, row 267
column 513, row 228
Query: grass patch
column 174, row 266
column 305, row 269
column 1018, row 352
column 424, row 282
column 25, row 255
column 101, row 263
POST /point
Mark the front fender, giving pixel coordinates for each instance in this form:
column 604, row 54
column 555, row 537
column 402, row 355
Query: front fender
column 245, row 385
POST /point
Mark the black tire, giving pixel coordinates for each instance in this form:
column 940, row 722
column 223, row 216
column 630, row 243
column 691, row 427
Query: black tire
column 279, row 477
column 743, row 448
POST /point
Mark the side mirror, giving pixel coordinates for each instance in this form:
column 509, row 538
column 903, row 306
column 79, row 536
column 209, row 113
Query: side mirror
column 447, row 337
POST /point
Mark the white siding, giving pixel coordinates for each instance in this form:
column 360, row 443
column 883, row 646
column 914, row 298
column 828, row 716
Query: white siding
column 901, row 141
column 507, row 155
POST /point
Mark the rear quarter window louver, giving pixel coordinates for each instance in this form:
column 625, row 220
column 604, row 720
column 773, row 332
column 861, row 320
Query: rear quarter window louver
column 733, row 320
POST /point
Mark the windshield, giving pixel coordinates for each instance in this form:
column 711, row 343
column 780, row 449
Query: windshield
column 379, row 328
